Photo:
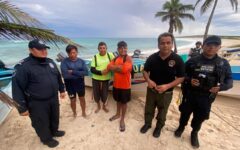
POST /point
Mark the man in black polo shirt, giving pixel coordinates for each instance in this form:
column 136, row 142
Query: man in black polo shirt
column 163, row 70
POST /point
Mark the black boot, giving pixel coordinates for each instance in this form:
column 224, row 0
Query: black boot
column 145, row 128
column 179, row 131
column 59, row 133
column 51, row 143
column 194, row 139
column 157, row 132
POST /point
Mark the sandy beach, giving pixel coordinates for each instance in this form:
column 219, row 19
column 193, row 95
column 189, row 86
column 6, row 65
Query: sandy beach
column 220, row 132
column 98, row 133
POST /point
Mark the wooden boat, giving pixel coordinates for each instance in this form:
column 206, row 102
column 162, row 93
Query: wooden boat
column 5, row 79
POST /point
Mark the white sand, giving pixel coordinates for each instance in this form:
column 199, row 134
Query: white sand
column 97, row 133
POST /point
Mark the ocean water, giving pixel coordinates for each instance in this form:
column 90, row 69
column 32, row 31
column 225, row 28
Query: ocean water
column 12, row 51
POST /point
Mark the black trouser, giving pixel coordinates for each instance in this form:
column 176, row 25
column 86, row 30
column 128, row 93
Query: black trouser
column 199, row 105
column 45, row 117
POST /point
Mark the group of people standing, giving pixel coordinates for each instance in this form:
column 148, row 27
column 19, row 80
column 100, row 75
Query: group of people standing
column 37, row 81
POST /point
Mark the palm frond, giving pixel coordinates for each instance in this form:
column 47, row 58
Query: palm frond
column 188, row 16
column 198, row 1
column 16, row 31
column 185, row 8
column 234, row 4
column 8, row 100
column 16, row 24
column 179, row 25
column 165, row 18
column 11, row 13
column 206, row 5
column 161, row 13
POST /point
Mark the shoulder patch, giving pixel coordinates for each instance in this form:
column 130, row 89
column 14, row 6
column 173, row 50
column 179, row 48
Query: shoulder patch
column 23, row 61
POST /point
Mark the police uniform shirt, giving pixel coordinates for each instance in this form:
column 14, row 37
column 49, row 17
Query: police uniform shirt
column 35, row 79
column 164, row 71
column 209, row 72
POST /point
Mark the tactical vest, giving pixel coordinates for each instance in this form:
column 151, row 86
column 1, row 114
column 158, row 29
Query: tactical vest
column 195, row 52
column 208, row 74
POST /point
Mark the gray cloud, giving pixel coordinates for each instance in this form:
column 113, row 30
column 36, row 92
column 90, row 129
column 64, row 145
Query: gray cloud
column 113, row 18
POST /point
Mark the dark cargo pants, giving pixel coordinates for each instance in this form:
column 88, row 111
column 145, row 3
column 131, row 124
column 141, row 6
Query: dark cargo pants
column 159, row 100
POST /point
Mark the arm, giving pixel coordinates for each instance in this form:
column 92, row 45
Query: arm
column 127, row 66
column 151, row 84
column 19, row 84
column 114, row 68
column 146, row 74
column 65, row 70
column 225, row 79
column 61, row 86
column 227, row 82
column 93, row 67
column 95, row 71
column 60, row 82
column 165, row 87
column 81, row 72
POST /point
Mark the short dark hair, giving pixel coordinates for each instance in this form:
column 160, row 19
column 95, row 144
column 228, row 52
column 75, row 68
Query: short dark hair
column 198, row 42
column 70, row 47
column 121, row 44
column 165, row 34
column 101, row 44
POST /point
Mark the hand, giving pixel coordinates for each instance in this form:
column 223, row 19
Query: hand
column 151, row 84
column 104, row 72
column 214, row 89
column 118, row 68
column 195, row 82
column 70, row 71
column 26, row 113
column 162, row 88
column 62, row 95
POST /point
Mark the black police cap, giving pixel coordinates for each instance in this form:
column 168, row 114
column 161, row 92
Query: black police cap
column 36, row 43
column 213, row 40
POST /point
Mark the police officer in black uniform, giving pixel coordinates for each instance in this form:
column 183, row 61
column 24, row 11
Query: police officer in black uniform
column 35, row 87
column 196, row 50
column 206, row 75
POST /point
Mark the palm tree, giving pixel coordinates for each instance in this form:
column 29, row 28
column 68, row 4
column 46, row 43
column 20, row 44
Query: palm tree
column 207, row 4
column 174, row 12
column 16, row 24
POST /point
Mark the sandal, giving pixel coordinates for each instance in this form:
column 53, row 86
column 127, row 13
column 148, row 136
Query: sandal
column 114, row 118
column 122, row 127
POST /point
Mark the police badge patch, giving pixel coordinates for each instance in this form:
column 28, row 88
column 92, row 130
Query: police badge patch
column 51, row 65
column 171, row 63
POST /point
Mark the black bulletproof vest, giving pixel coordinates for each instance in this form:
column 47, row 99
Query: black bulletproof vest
column 208, row 72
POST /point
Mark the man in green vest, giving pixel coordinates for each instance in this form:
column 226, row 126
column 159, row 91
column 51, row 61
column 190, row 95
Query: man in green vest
column 101, row 76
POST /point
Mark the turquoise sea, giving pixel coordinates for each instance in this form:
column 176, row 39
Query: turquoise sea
column 12, row 51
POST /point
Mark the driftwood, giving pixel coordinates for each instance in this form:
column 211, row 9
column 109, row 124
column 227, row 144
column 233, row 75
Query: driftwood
column 7, row 100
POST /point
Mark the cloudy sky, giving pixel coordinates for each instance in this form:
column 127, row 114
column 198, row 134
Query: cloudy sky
column 122, row 18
